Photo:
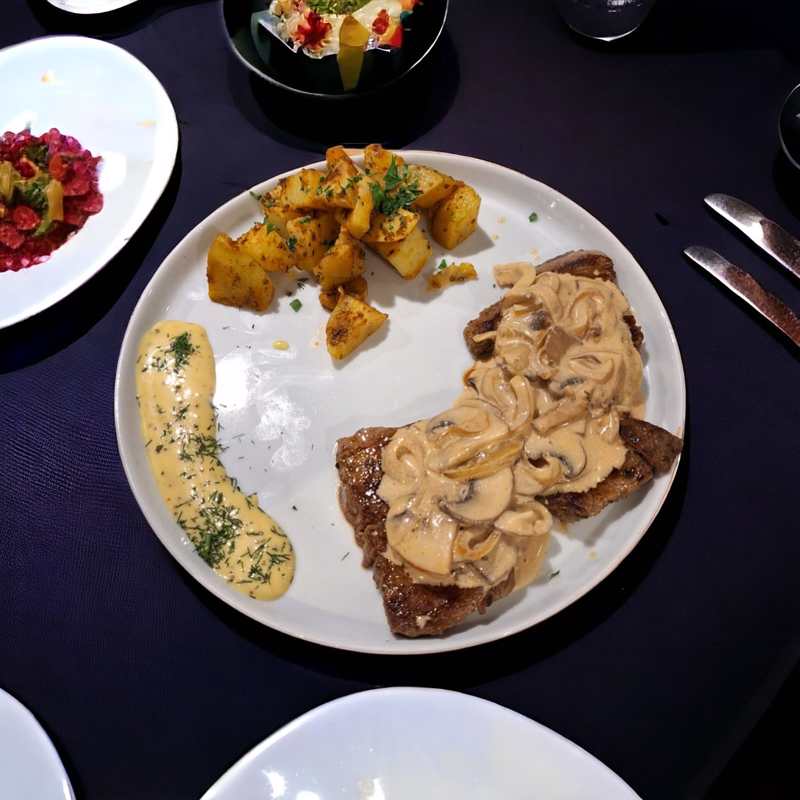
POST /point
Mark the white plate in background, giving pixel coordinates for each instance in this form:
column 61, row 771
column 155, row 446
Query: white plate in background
column 90, row 6
column 282, row 412
column 420, row 744
column 30, row 768
column 117, row 109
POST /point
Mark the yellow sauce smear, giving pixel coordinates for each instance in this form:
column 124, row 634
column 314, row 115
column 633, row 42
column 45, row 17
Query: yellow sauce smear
column 175, row 380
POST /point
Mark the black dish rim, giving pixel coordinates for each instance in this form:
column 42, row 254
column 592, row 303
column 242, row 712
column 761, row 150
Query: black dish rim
column 327, row 95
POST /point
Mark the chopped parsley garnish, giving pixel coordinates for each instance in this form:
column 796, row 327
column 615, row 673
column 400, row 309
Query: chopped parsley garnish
column 291, row 243
column 533, row 216
column 256, row 196
column 350, row 183
column 269, row 226
column 397, row 192
column 442, row 265
column 305, row 220
column 295, row 305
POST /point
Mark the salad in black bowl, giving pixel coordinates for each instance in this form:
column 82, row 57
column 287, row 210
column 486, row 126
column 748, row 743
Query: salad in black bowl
column 333, row 48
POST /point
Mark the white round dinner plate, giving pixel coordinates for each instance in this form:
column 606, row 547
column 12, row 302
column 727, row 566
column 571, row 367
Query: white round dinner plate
column 117, row 109
column 425, row 744
column 30, row 768
column 282, row 411
column 90, row 6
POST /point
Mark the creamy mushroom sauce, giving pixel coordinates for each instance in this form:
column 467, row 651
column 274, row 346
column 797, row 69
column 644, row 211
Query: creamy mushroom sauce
column 175, row 380
column 540, row 417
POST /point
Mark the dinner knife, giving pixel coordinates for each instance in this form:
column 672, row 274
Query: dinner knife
column 749, row 289
column 768, row 235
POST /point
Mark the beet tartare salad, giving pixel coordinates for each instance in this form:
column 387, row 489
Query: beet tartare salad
column 48, row 189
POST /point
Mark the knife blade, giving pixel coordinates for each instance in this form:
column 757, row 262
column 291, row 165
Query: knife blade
column 749, row 289
column 768, row 235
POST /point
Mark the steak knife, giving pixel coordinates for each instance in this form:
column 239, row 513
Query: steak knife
column 768, row 235
column 749, row 289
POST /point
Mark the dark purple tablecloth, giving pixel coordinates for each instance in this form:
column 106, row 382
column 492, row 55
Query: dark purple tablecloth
column 151, row 687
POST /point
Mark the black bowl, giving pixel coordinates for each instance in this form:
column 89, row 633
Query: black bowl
column 277, row 64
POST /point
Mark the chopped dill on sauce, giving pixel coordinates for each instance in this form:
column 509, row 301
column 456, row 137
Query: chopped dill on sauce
column 181, row 348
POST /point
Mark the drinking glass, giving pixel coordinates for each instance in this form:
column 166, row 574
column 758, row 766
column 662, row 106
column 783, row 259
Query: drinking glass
column 604, row 19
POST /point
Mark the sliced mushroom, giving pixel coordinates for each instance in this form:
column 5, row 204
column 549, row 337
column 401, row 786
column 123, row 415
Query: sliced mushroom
column 506, row 275
column 475, row 427
column 474, row 544
column 426, row 543
column 535, row 478
column 488, row 461
column 532, row 519
column 556, row 343
column 486, row 499
column 566, row 411
column 564, row 445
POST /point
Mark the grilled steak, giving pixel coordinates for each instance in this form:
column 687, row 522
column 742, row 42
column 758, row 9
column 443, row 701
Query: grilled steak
column 651, row 451
column 582, row 263
column 414, row 609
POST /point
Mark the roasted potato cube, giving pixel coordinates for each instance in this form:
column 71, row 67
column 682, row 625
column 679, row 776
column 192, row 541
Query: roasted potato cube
column 303, row 189
column 343, row 262
column 454, row 273
column 433, row 186
column 356, row 287
column 310, row 237
column 276, row 217
column 266, row 248
column 335, row 154
column 408, row 256
column 350, row 323
column 340, row 187
column 234, row 279
column 456, row 217
column 392, row 228
column 359, row 220
column 377, row 160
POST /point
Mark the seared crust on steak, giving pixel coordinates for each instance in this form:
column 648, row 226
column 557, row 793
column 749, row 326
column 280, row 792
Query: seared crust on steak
column 412, row 609
column 358, row 460
column 581, row 263
column 417, row 609
column 655, row 445
column 486, row 321
column 651, row 451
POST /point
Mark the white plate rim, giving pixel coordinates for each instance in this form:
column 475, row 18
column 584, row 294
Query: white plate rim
column 115, row 5
column 432, row 645
column 163, row 167
column 44, row 740
column 403, row 693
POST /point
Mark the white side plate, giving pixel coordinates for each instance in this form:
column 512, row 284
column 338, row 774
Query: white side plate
column 425, row 744
column 117, row 109
column 90, row 6
column 282, row 412
column 30, row 768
